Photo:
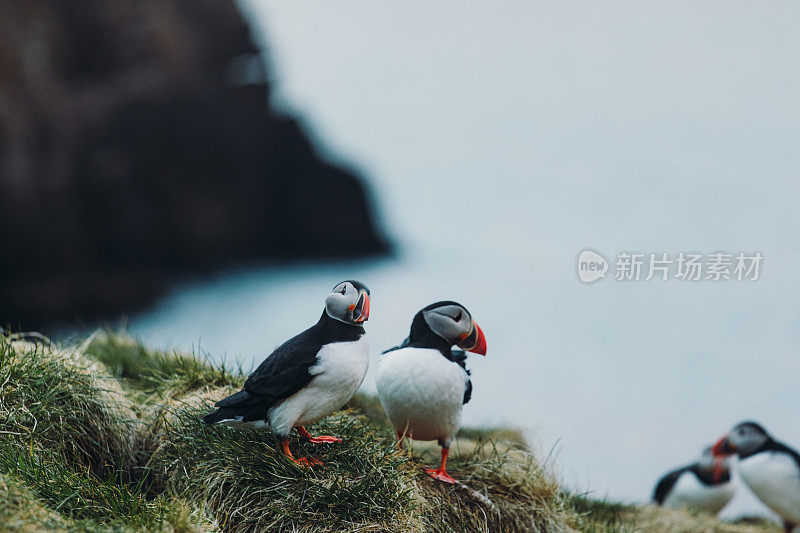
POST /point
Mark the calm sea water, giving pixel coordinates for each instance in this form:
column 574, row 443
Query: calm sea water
column 502, row 139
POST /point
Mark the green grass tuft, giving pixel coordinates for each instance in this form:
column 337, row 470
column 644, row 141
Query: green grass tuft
column 68, row 438
column 163, row 374
column 107, row 436
column 240, row 479
column 62, row 403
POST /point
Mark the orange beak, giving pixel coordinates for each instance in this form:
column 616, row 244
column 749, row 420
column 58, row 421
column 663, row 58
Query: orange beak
column 722, row 448
column 363, row 308
column 475, row 341
column 719, row 466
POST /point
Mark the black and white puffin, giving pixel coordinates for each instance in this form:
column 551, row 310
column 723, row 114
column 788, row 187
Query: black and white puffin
column 704, row 485
column 769, row 468
column 309, row 376
column 423, row 383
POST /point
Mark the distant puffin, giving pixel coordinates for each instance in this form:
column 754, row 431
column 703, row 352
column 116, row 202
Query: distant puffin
column 423, row 383
column 309, row 376
column 769, row 468
column 704, row 485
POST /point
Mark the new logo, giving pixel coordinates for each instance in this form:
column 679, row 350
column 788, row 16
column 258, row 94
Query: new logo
column 591, row 266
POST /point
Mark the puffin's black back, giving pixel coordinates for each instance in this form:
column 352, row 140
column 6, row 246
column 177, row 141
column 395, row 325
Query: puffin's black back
column 666, row 483
column 774, row 446
column 422, row 336
column 284, row 372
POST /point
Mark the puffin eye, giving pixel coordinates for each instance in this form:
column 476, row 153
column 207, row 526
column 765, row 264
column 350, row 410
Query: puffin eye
column 457, row 318
column 344, row 289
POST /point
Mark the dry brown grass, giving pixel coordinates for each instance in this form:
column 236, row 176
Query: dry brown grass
column 652, row 519
column 21, row 511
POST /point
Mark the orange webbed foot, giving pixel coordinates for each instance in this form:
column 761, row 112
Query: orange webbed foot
column 307, row 462
column 301, row 461
column 441, row 475
column 324, row 439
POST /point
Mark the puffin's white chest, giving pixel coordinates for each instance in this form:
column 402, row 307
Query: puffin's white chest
column 775, row 478
column 422, row 393
column 689, row 492
column 338, row 373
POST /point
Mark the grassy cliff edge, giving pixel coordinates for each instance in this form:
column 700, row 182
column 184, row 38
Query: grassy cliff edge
column 106, row 436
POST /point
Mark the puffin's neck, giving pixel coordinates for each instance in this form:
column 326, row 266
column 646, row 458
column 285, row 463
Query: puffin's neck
column 338, row 330
column 706, row 475
column 768, row 444
column 422, row 336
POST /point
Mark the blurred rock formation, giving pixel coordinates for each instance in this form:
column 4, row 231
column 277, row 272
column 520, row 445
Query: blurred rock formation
column 138, row 142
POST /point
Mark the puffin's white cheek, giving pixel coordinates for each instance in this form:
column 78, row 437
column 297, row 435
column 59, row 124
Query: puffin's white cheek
column 335, row 305
column 446, row 328
column 330, row 301
column 438, row 325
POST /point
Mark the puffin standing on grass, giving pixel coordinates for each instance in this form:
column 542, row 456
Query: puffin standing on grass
column 704, row 485
column 423, row 383
column 309, row 376
column 769, row 468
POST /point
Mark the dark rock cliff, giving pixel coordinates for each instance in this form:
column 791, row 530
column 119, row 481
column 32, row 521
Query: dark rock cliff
column 137, row 141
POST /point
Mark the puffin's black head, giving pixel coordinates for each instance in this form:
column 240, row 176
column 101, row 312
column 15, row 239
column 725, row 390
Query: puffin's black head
column 745, row 439
column 348, row 302
column 449, row 321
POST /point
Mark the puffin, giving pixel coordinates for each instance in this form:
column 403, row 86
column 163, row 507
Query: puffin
column 307, row 377
column 704, row 485
column 769, row 468
column 423, row 383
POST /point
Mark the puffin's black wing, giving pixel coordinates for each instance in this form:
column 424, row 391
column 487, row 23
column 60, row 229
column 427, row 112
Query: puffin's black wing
column 666, row 483
column 460, row 357
column 285, row 371
column 405, row 343
column 280, row 375
column 467, row 392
